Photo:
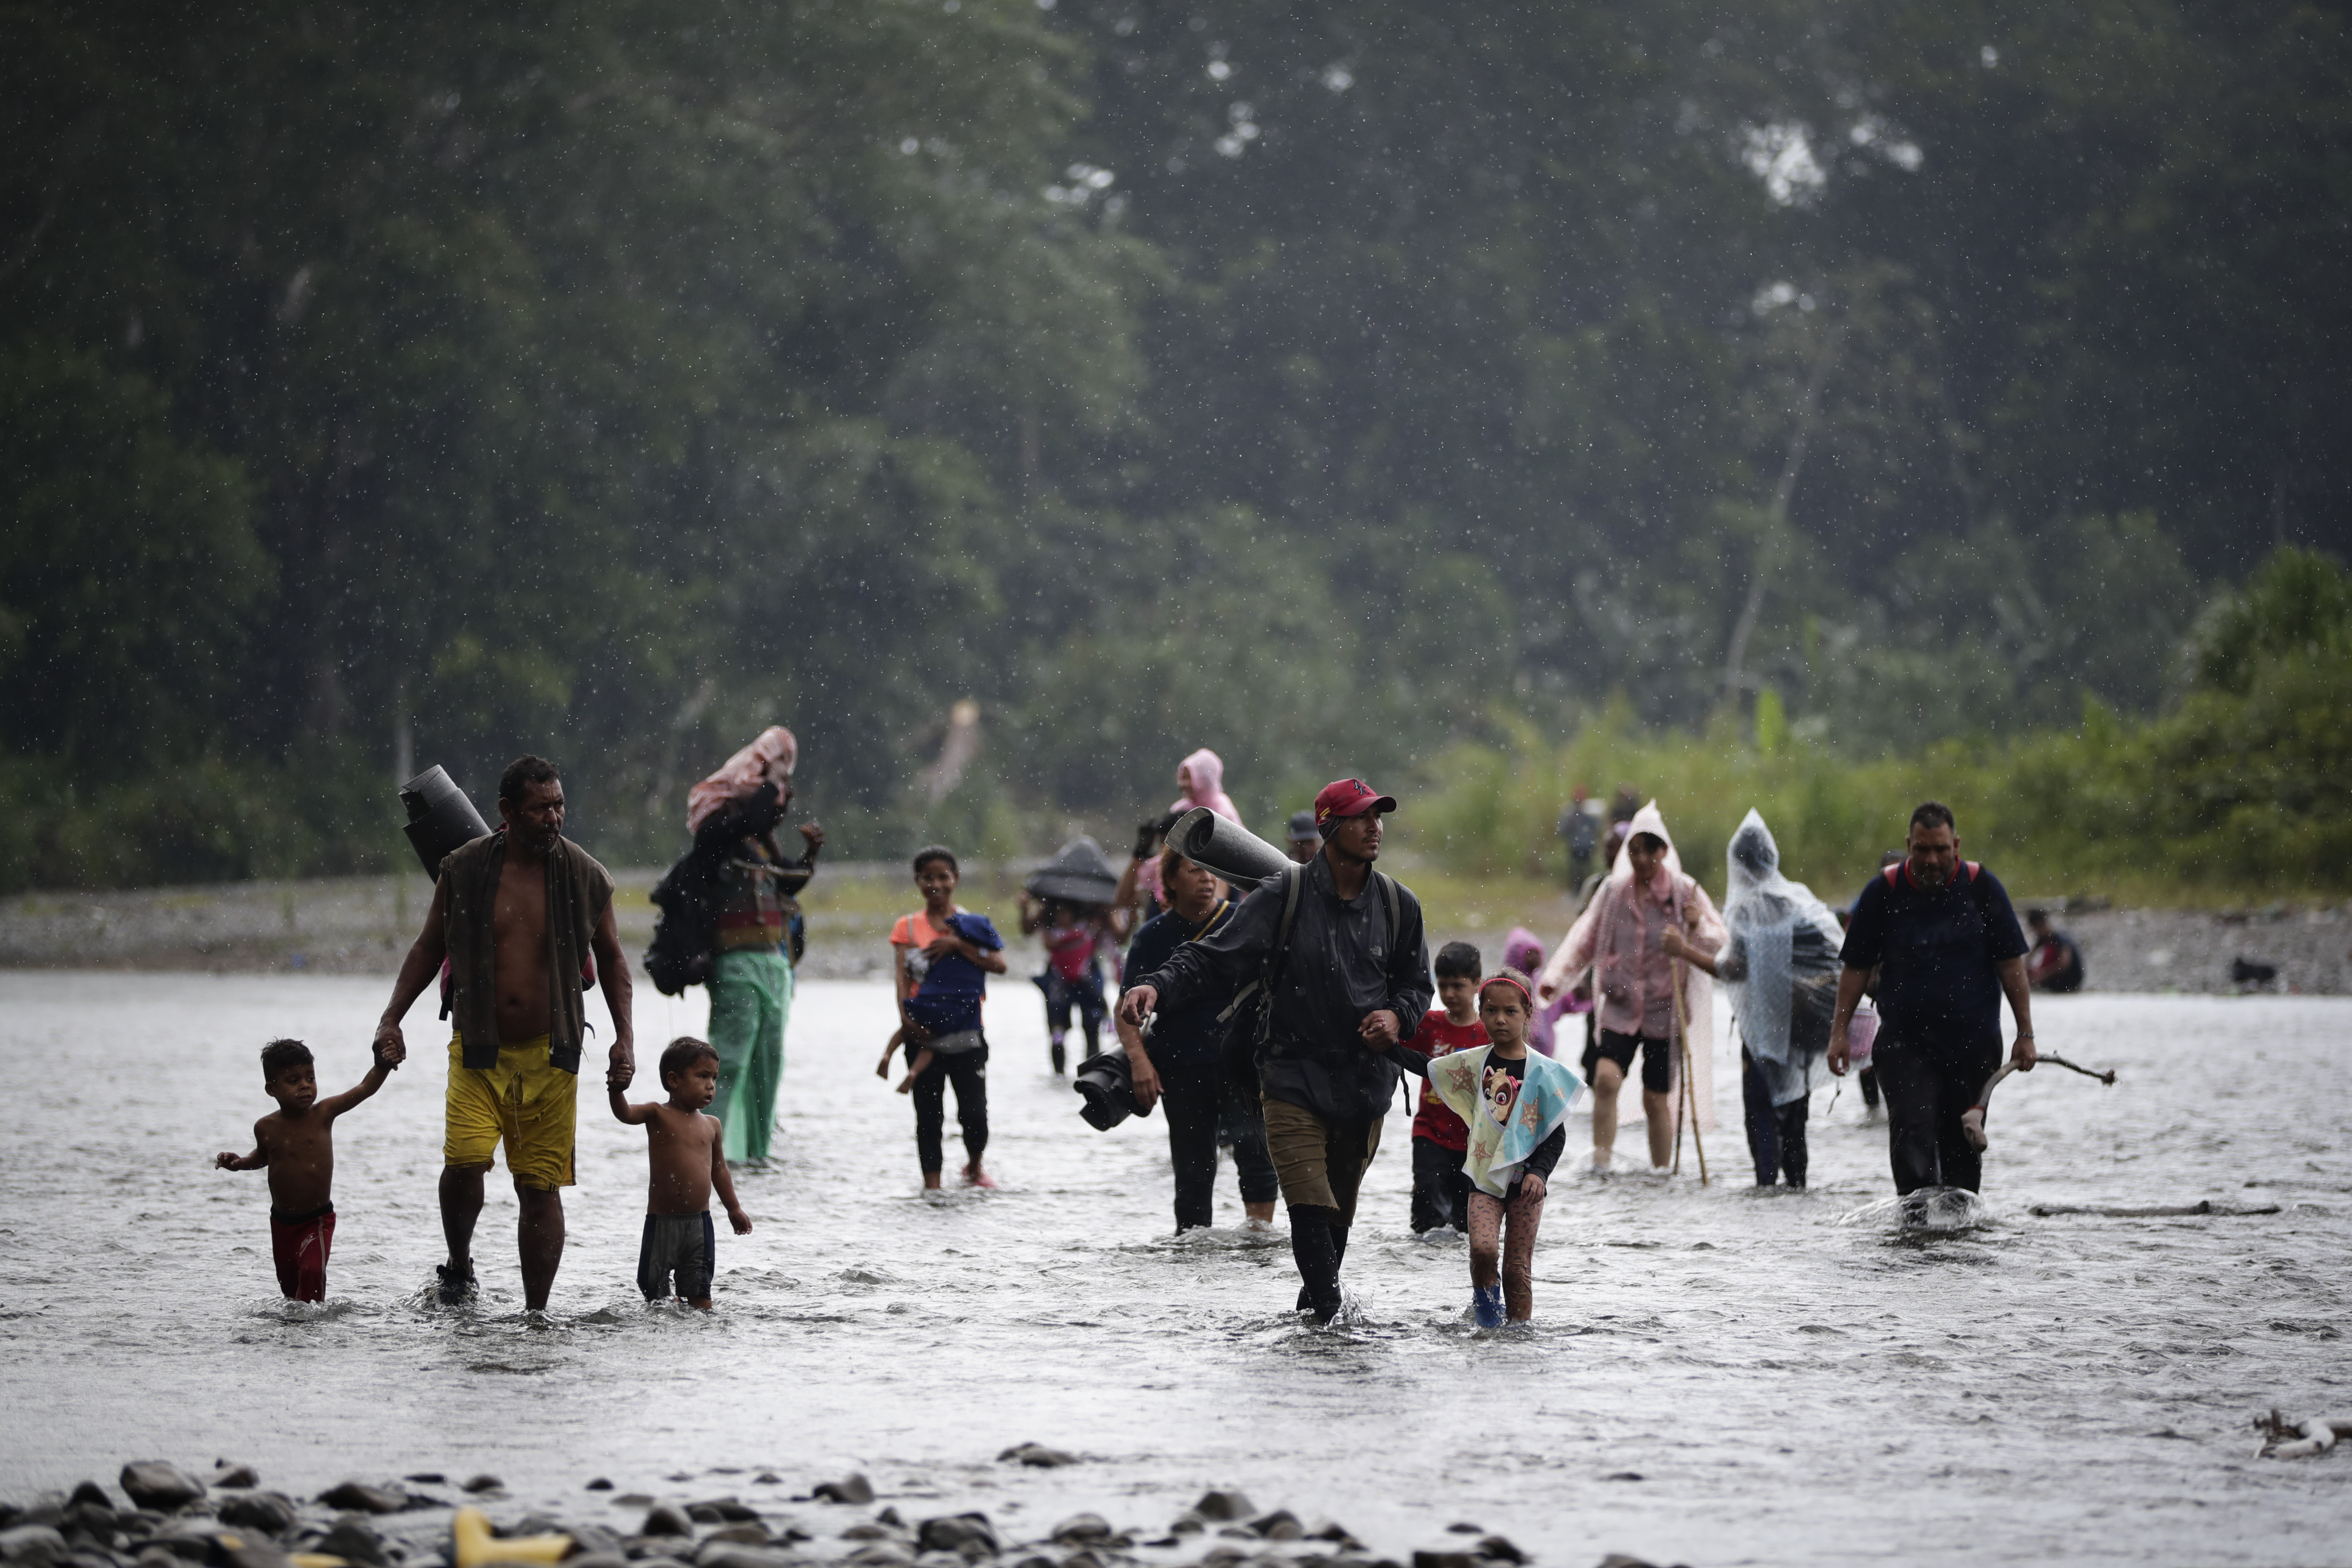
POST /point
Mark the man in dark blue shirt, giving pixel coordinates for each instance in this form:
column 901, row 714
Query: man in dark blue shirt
column 1182, row 1066
column 1945, row 944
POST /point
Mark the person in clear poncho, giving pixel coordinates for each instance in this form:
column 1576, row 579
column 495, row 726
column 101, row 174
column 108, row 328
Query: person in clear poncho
column 1780, row 963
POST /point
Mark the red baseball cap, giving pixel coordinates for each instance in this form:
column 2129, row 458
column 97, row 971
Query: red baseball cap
column 1350, row 797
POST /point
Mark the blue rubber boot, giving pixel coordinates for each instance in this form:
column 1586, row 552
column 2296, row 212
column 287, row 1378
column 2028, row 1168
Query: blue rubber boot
column 1486, row 1305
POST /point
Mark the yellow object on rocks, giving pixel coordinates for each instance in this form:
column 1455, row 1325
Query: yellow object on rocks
column 316, row 1559
column 476, row 1546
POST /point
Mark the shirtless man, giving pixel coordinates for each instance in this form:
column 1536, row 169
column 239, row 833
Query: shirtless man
column 518, row 915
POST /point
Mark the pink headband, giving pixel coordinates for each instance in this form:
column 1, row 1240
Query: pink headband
column 1516, row 984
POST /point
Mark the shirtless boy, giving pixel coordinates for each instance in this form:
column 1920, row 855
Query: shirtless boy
column 296, row 1144
column 687, row 1162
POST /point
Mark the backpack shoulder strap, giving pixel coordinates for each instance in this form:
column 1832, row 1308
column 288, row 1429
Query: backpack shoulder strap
column 1892, row 872
column 1396, row 912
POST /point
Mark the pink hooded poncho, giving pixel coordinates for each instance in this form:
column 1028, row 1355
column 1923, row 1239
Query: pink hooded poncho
column 743, row 773
column 1611, row 937
column 1208, row 773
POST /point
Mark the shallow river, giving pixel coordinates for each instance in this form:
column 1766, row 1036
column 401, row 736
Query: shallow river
column 1716, row 1375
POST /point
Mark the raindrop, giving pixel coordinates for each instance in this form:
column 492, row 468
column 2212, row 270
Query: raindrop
column 909, row 147
column 1219, row 70
column 1989, row 56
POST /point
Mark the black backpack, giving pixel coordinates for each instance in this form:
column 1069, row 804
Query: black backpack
column 686, row 933
column 1247, row 1037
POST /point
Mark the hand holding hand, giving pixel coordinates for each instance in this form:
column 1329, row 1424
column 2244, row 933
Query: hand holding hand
column 391, row 1053
column 621, row 1067
column 1140, row 1000
column 1381, row 1029
column 387, row 1038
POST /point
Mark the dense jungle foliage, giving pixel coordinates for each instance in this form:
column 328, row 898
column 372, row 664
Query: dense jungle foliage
column 1854, row 398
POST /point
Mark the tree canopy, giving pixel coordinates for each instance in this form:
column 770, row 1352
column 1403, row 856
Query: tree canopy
column 609, row 380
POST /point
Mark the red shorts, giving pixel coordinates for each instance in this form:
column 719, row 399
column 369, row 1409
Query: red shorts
column 299, row 1246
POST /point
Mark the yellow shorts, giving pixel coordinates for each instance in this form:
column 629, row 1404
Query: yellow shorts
column 526, row 1099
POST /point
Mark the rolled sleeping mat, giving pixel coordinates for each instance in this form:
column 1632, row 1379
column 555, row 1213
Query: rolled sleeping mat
column 1227, row 847
column 1107, row 1084
column 440, row 817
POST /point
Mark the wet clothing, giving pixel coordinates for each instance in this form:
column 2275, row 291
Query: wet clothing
column 1435, row 1121
column 945, row 996
column 1776, row 1133
column 298, row 1244
column 751, row 1000
column 1197, row 1097
column 1938, row 952
column 1441, row 1187
column 1657, row 1058
column 524, row 1100
column 1624, row 943
column 967, row 1068
column 1341, row 964
column 2056, row 964
column 578, row 892
column 1926, row 1089
column 1507, row 1226
column 1320, row 1164
column 1186, row 1034
column 680, row 1247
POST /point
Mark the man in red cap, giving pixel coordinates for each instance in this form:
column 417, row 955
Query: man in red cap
column 1336, row 949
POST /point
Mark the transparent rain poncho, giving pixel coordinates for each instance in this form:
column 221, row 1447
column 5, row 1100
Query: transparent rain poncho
column 1781, row 964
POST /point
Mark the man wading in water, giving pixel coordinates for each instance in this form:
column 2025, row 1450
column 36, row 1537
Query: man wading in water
column 1349, row 979
column 1945, row 940
column 516, row 914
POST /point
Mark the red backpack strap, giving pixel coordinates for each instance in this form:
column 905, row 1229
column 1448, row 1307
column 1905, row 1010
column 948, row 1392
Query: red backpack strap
column 1893, row 872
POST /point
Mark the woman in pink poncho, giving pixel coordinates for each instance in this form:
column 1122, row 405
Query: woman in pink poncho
column 1620, row 938
column 1201, row 777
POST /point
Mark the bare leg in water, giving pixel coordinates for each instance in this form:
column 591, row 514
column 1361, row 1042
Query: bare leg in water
column 539, row 1232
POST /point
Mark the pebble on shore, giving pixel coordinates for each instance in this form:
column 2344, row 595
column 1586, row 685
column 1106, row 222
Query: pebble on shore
column 174, row 1520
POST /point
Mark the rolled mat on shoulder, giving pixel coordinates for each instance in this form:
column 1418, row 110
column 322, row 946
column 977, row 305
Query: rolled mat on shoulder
column 1227, row 847
column 440, row 817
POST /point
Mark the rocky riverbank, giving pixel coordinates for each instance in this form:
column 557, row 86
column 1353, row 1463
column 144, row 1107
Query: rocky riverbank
column 165, row 1517
column 362, row 925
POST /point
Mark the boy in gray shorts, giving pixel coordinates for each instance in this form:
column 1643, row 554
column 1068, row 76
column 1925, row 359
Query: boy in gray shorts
column 687, row 1162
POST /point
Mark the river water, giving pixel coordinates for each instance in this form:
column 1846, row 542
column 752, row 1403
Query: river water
column 1715, row 1377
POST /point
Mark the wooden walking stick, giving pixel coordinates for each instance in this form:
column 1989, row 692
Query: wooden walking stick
column 1682, row 1037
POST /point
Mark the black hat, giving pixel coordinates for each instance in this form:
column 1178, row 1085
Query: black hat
column 1302, row 826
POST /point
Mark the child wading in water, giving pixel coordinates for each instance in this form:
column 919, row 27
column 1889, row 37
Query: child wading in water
column 297, row 1143
column 1515, row 1105
column 1441, row 1193
column 688, row 1160
column 942, row 957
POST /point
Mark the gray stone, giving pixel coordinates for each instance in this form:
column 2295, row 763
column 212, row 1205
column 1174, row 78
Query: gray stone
column 969, row 1535
column 272, row 1513
column 1462, row 1527
column 875, row 1531
column 742, row 1532
column 358, row 1497
column 35, row 1543
column 888, row 1515
column 588, row 1538
column 91, row 1493
column 1186, row 1523
column 663, row 1520
column 1082, row 1529
column 1445, row 1560
column 703, row 1513
column 939, row 1560
column 226, row 1473
column 633, row 1499
column 881, row 1554
column 600, row 1485
column 1084, row 1557
column 428, row 1478
column 485, row 1484
column 1332, row 1531
column 732, row 1510
column 597, row 1559
column 851, row 1488
column 1280, row 1525
column 1501, row 1549
column 1037, row 1454
column 1224, row 1507
column 160, row 1484
column 353, row 1541
column 1619, row 1559
column 735, row 1554
column 1036, row 1560
column 767, row 1478
column 239, row 1552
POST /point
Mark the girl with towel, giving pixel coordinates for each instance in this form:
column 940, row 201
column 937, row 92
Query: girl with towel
column 1516, row 1103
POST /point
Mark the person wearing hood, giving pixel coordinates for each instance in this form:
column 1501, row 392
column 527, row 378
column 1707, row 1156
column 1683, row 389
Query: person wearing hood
column 1621, row 937
column 1524, row 951
column 733, row 814
column 1201, row 778
column 1781, row 962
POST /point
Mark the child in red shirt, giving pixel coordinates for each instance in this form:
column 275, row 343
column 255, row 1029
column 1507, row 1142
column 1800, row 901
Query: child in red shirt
column 1441, row 1193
